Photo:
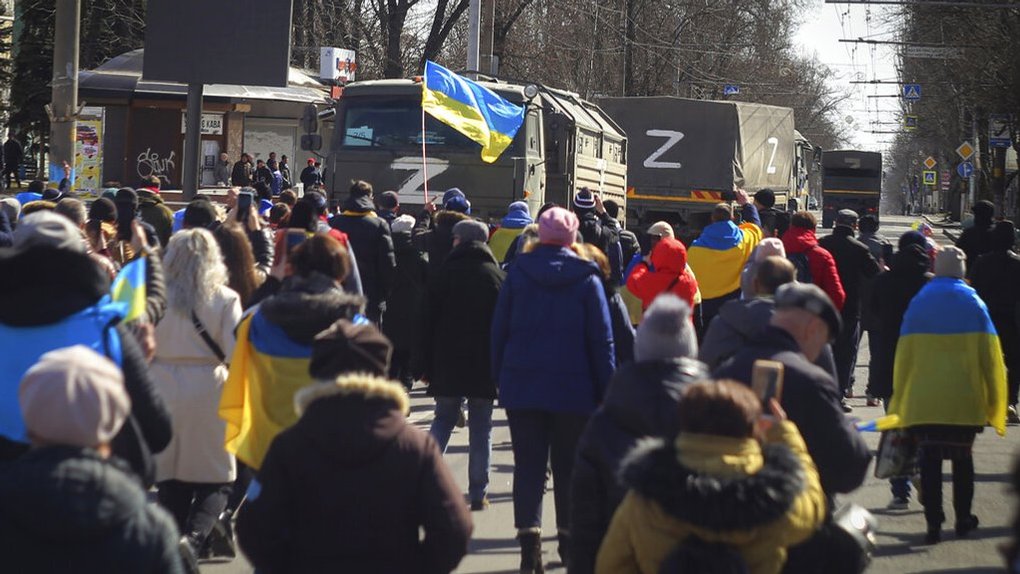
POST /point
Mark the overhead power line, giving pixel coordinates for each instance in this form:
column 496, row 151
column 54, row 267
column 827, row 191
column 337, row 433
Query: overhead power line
column 939, row 3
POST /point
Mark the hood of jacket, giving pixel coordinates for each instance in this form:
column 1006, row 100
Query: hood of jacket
column 912, row 260
column 354, row 419
column 149, row 196
column 42, row 285
column 748, row 316
column 799, row 240
column 68, row 495
column 669, row 255
column 472, row 251
column 643, row 395
column 721, row 235
column 356, row 206
column 554, row 266
column 738, row 502
column 518, row 216
column 305, row 306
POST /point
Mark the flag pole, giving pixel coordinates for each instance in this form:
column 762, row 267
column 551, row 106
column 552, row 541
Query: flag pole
column 424, row 159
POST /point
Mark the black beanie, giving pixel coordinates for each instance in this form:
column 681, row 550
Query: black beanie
column 346, row 347
column 103, row 209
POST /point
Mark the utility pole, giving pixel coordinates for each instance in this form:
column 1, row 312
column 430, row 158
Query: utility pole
column 192, row 142
column 487, row 26
column 64, row 107
column 474, row 30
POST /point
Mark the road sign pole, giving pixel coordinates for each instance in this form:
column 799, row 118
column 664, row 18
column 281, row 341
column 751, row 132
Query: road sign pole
column 192, row 142
column 64, row 110
column 999, row 178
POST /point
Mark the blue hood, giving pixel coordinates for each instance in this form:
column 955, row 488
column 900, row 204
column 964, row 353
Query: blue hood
column 518, row 217
column 720, row 236
column 553, row 266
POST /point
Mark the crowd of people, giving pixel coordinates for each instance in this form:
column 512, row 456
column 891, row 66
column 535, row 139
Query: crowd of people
column 264, row 387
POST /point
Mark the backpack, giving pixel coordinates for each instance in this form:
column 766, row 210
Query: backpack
column 694, row 555
column 802, row 265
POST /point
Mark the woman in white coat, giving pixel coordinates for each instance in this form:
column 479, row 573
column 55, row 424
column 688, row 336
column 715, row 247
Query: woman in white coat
column 195, row 471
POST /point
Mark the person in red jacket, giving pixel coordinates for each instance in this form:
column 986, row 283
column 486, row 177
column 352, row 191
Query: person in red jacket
column 800, row 240
column 664, row 270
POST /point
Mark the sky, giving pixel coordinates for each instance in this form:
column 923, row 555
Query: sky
column 823, row 26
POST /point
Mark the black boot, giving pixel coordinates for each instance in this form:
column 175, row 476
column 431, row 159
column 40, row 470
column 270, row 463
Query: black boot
column 531, row 552
column 220, row 543
column 188, row 549
column 965, row 525
column 563, row 547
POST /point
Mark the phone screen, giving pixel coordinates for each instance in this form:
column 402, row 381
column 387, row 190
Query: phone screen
column 244, row 203
column 767, row 380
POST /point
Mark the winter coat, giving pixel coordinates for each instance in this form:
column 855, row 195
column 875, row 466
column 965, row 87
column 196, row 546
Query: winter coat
column 154, row 211
column 13, row 154
column 221, row 172
column 285, row 173
column 65, row 509
column 949, row 368
column 407, row 297
column 854, row 263
column 669, row 261
column 976, row 240
column 241, row 175
column 370, row 237
column 600, row 231
column 641, row 402
column 996, row 278
column 271, row 358
column 6, row 231
column 719, row 255
column 623, row 329
column 50, row 285
column 311, row 177
column 458, row 323
column 881, row 248
column 434, row 236
column 262, row 174
column 350, row 485
column 510, row 228
column 824, row 272
column 891, row 293
column 756, row 499
column 811, row 399
column 276, row 185
column 552, row 337
column 190, row 379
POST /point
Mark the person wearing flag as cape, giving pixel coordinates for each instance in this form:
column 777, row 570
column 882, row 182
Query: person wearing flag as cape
column 949, row 381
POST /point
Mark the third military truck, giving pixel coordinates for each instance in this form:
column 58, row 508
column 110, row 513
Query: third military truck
column 851, row 179
column 685, row 156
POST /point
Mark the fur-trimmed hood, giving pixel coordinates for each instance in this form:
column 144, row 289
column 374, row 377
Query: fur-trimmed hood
column 447, row 219
column 306, row 306
column 352, row 419
column 711, row 502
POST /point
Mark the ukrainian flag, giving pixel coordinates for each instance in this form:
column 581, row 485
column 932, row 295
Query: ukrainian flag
column 719, row 255
column 949, row 368
column 129, row 288
column 471, row 109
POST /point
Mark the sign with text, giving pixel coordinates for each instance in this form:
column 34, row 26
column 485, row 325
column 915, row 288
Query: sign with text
column 212, row 124
column 337, row 65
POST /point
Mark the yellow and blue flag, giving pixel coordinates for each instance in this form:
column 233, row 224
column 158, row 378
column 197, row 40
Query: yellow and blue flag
column 471, row 109
column 949, row 368
column 129, row 288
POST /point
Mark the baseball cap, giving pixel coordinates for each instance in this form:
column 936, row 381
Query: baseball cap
column 661, row 229
column 812, row 299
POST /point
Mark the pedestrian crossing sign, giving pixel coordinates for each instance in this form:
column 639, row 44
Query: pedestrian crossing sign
column 930, row 177
column 912, row 92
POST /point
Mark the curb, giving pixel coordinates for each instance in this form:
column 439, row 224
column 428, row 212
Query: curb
column 942, row 224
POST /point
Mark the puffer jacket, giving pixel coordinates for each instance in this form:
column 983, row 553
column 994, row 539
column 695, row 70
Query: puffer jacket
column 670, row 274
column 65, row 509
column 824, row 273
column 758, row 500
column 350, row 486
column 641, row 402
column 552, row 337
column 153, row 210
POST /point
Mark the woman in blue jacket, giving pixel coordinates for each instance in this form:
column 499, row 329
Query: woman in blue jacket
column 552, row 355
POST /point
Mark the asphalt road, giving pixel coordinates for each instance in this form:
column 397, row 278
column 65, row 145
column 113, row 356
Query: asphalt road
column 901, row 533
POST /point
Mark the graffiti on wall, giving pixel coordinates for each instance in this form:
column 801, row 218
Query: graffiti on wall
column 150, row 163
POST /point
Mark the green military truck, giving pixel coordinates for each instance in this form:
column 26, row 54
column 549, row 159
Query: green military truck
column 565, row 144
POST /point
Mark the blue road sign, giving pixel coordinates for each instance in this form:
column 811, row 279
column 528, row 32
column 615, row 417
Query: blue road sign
column 731, row 90
column 998, row 131
column 965, row 169
column 912, row 92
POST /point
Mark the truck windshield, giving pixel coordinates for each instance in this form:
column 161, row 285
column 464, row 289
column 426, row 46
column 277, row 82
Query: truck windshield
column 396, row 123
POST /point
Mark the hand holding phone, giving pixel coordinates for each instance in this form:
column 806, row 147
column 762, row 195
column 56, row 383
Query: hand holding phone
column 767, row 381
column 245, row 199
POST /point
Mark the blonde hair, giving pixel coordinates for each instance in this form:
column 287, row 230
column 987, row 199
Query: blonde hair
column 589, row 252
column 529, row 238
column 194, row 269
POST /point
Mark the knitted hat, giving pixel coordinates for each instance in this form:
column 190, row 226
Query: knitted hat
column 74, row 396
column 199, row 213
column 388, row 200
column 452, row 193
column 912, row 238
column 11, row 207
column 661, row 229
column 768, row 247
column 950, row 262
column 402, row 224
column 49, row 229
column 458, row 203
column 558, row 227
column 103, row 209
column 666, row 331
column 584, row 199
column 347, row 347
column 471, row 230
column 766, row 197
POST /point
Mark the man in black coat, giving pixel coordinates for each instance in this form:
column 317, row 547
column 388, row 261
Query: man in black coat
column 241, row 175
column 13, row 155
column 406, row 302
column 311, row 176
column 976, row 240
column 804, row 321
column 455, row 349
column 370, row 237
column 433, row 230
column 596, row 229
column 641, row 402
column 855, row 265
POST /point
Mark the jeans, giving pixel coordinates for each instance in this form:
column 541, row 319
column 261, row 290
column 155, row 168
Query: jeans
column 844, row 350
column 479, row 437
column 194, row 506
column 542, row 439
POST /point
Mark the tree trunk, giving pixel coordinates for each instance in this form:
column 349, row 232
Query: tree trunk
column 394, row 30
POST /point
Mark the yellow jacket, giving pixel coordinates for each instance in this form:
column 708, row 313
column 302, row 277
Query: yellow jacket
column 659, row 513
column 501, row 239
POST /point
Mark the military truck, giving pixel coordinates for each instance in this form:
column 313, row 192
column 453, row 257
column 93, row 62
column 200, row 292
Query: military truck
column 685, row 156
column 565, row 144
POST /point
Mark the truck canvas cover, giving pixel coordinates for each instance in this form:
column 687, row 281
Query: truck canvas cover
column 677, row 145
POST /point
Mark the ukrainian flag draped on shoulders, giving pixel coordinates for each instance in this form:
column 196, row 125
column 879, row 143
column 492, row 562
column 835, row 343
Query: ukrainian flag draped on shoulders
column 471, row 109
column 719, row 254
column 949, row 368
column 258, row 398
